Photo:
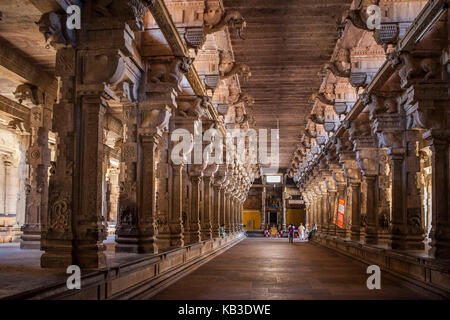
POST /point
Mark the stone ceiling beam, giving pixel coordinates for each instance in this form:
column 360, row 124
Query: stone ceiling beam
column 426, row 18
column 14, row 109
column 16, row 67
column 164, row 20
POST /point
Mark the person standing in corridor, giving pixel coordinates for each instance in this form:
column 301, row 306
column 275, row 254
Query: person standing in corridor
column 301, row 231
column 291, row 233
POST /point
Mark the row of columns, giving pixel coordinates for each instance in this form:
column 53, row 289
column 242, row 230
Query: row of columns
column 375, row 167
column 163, row 203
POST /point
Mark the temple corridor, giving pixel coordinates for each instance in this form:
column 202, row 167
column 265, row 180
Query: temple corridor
column 273, row 269
column 165, row 149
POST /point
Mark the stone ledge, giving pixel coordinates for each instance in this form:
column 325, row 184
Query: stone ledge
column 144, row 276
column 420, row 272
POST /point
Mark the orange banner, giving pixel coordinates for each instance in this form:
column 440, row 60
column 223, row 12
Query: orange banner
column 341, row 211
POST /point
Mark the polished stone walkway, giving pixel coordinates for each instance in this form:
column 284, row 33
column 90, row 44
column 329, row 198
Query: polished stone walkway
column 275, row 269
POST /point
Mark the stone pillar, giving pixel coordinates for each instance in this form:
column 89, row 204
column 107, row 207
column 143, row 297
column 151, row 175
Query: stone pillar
column 223, row 207
column 356, row 210
column 127, row 230
column 323, row 208
column 353, row 175
column 398, row 221
column 7, row 202
column 440, row 221
column 176, row 217
column 427, row 104
column 371, row 210
column 58, row 224
column 406, row 231
column 232, row 214
column 207, row 207
column 217, row 214
column 318, row 207
column 164, row 181
column 283, row 203
column 194, row 223
column 230, row 189
column 38, row 158
column 241, row 203
column 186, row 209
column 91, row 230
column 347, row 232
column 89, row 78
column 114, row 194
column 228, row 222
column 263, row 208
column 331, row 202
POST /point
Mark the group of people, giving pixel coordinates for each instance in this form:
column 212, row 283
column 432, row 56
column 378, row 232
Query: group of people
column 273, row 232
column 303, row 232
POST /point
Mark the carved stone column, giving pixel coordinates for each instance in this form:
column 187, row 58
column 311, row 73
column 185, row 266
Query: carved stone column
column 324, row 208
column 228, row 224
column 73, row 231
column 284, row 204
column 356, row 210
column 219, row 207
column 233, row 213
column 427, row 105
column 38, row 158
column 229, row 207
column 404, row 235
column 91, row 230
column 176, row 218
column 440, row 231
column 207, row 206
column 353, row 176
column 186, row 208
column 217, row 218
column 127, row 212
column 57, row 225
column 164, row 185
column 367, row 156
column 263, row 207
column 196, row 177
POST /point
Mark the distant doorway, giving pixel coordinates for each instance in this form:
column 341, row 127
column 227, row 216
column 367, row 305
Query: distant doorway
column 273, row 219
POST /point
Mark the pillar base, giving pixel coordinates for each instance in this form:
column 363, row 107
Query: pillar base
column 177, row 241
column 163, row 241
column 58, row 254
column 94, row 260
column 31, row 237
column 135, row 245
column 206, row 234
column 346, row 233
column 356, row 234
column 440, row 252
column 30, row 241
column 371, row 238
column 192, row 237
column 126, row 240
column 406, row 243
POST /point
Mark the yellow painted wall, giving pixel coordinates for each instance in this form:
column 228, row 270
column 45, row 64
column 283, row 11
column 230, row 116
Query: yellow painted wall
column 251, row 219
column 295, row 216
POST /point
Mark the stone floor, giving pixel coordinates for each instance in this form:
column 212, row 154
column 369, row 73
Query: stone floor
column 20, row 269
column 275, row 269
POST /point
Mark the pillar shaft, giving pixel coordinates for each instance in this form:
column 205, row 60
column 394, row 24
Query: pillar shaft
column 176, row 218
column 207, row 208
column 194, row 224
